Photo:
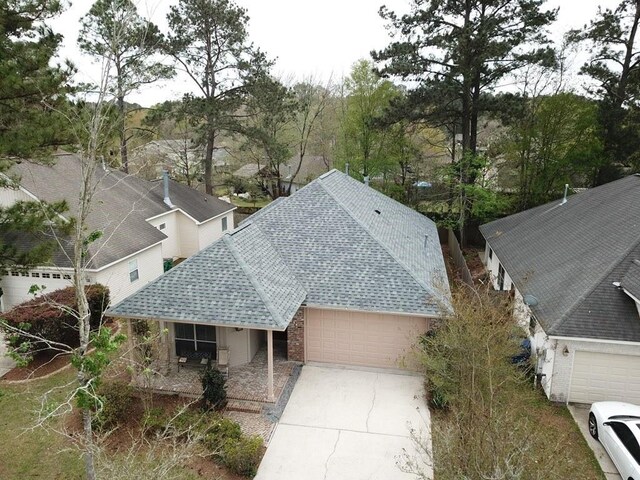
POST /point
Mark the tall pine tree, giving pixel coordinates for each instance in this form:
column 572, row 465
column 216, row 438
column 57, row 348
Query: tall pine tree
column 32, row 94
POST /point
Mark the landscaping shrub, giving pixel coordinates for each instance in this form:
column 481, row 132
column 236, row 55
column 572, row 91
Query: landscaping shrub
column 242, row 456
column 44, row 318
column 117, row 399
column 155, row 420
column 219, row 433
column 213, row 388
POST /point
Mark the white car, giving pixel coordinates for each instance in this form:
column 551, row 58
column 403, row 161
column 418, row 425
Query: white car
column 617, row 426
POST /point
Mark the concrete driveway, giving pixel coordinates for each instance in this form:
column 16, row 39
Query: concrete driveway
column 347, row 424
column 580, row 414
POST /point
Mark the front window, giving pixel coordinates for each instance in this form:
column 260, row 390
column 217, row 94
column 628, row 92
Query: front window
column 197, row 341
column 224, row 224
column 133, row 271
column 500, row 277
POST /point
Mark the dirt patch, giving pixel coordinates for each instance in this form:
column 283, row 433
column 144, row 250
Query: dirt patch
column 472, row 257
column 42, row 364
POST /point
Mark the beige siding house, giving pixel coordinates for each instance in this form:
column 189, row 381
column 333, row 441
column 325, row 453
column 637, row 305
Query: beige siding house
column 574, row 269
column 339, row 272
column 143, row 223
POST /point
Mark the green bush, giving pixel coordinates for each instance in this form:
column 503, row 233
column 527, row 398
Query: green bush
column 116, row 399
column 243, row 455
column 213, row 388
column 154, row 420
column 219, row 433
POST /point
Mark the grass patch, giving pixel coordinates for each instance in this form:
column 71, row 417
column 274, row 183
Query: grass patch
column 258, row 203
column 29, row 452
column 37, row 453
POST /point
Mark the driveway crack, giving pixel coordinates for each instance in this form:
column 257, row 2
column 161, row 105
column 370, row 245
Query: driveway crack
column 373, row 401
column 326, row 464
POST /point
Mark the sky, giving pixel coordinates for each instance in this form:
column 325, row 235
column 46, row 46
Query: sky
column 319, row 38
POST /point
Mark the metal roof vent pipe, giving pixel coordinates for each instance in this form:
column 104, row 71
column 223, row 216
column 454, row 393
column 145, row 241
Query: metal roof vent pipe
column 566, row 190
column 346, row 168
column 165, row 182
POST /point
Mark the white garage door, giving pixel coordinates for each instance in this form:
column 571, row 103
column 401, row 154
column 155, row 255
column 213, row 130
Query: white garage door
column 604, row 376
column 355, row 338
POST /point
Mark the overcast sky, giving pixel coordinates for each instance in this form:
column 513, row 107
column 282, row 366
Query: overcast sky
column 321, row 37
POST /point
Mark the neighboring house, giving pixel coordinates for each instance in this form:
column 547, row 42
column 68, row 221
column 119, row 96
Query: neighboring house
column 352, row 276
column 574, row 267
column 143, row 223
column 312, row 167
column 180, row 156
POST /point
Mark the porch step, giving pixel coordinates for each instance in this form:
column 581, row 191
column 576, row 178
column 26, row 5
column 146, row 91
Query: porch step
column 244, row 406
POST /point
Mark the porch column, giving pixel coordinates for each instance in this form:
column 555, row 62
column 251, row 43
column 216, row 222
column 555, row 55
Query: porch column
column 164, row 348
column 270, row 397
column 131, row 345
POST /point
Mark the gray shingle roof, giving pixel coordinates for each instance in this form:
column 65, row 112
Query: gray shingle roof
column 349, row 256
column 568, row 256
column 240, row 280
column 120, row 206
column 631, row 280
column 326, row 245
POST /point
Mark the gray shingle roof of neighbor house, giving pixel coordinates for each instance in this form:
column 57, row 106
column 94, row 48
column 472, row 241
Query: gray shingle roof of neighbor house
column 631, row 280
column 340, row 242
column 121, row 205
column 239, row 280
column 567, row 255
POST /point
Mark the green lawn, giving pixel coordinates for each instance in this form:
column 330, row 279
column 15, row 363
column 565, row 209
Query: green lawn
column 29, row 452
column 241, row 202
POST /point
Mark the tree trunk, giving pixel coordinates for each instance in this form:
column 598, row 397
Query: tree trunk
column 122, row 127
column 208, row 162
column 124, row 154
column 89, row 464
column 79, row 282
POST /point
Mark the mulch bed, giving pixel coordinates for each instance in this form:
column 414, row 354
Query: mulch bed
column 121, row 438
column 42, row 364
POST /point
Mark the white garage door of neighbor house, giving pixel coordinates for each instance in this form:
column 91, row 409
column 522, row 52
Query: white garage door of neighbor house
column 604, row 376
column 356, row 338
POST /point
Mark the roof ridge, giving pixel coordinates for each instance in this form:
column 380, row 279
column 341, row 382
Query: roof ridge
column 420, row 282
column 586, row 294
column 256, row 284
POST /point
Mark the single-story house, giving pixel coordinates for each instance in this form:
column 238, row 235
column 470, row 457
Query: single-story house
column 348, row 274
column 574, row 268
column 143, row 224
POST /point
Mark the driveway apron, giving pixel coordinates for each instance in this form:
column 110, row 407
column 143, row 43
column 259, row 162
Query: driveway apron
column 348, row 424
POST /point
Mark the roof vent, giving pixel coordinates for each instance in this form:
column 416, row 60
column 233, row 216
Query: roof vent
column 165, row 181
column 377, row 211
column 566, row 190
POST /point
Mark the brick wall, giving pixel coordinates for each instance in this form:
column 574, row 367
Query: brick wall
column 295, row 337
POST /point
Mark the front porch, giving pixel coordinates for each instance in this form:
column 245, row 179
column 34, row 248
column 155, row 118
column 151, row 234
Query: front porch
column 248, row 382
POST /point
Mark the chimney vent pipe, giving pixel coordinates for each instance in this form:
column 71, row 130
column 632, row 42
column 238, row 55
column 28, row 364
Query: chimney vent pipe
column 165, row 182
